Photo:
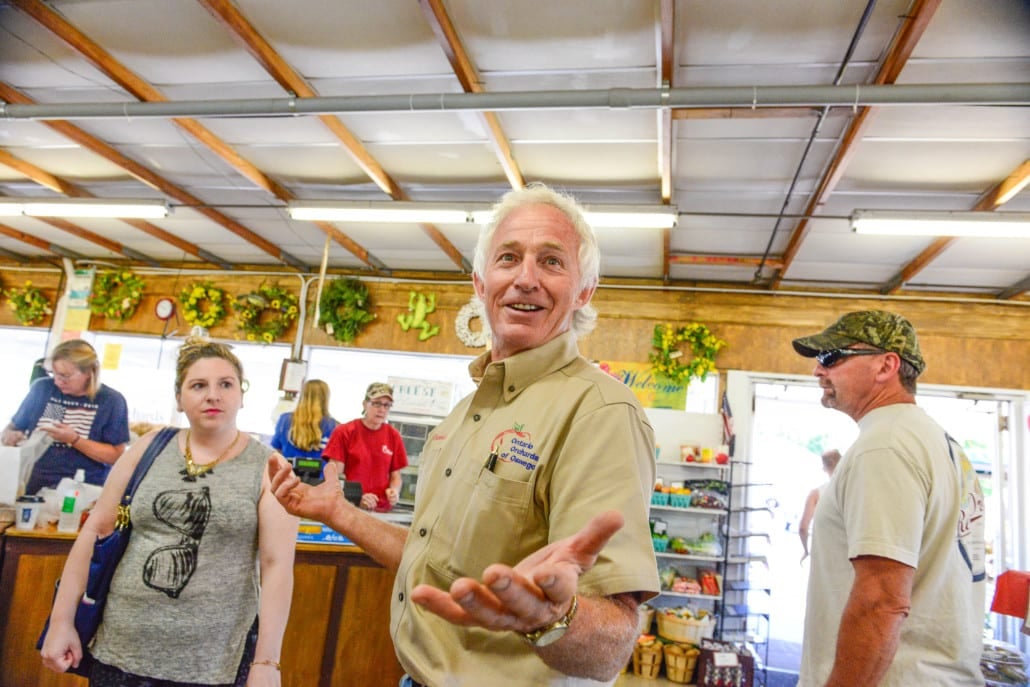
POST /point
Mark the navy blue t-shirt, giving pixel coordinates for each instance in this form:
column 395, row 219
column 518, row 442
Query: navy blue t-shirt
column 105, row 419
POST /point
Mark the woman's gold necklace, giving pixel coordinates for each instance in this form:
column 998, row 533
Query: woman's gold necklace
column 193, row 471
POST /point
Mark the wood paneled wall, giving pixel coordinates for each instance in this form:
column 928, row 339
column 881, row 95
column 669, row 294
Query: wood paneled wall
column 967, row 343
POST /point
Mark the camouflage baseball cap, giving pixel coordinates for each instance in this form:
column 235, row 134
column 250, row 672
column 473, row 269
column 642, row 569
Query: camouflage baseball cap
column 378, row 389
column 885, row 330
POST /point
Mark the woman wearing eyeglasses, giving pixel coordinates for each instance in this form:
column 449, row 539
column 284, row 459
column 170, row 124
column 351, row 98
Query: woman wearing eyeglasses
column 372, row 452
column 88, row 421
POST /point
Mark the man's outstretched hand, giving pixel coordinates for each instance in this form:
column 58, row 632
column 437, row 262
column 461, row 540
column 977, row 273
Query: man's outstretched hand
column 534, row 593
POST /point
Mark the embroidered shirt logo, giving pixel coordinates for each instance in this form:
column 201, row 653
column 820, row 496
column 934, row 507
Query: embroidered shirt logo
column 515, row 446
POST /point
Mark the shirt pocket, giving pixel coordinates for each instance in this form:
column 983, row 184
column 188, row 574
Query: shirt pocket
column 493, row 526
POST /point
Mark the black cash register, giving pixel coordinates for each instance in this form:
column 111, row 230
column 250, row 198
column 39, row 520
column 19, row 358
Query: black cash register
column 310, row 472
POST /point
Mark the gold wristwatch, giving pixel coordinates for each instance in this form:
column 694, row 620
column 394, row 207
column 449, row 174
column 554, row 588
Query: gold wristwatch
column 549, row 634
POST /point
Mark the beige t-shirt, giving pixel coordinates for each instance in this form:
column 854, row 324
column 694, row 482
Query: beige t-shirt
column 899, row 493
column 571, row 442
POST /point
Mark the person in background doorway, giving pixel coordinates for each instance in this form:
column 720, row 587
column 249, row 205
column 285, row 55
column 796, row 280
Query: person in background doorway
column 896, row 589
column 371, row 451
column 305, row 432
column 203, row 591
column 530, row 549
column 88, row 421
column 830, row 460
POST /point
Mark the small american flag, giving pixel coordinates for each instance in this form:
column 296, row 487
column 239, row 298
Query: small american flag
column 728, row 437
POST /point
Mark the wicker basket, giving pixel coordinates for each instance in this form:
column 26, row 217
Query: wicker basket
column 683, row 630
column 680, row 662
column 647, row 660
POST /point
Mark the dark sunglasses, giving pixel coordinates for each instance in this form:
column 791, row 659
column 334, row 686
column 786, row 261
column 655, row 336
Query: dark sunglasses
column 832, row 357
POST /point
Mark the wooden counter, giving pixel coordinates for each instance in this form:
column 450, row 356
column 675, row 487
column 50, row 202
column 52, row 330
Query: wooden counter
column 337, row 635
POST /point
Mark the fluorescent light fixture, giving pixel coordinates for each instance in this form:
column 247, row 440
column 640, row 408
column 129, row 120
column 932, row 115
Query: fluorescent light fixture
column 625, row 216
column 11, row 208
column 930, row 223
column 84, row 207
column 398, row 212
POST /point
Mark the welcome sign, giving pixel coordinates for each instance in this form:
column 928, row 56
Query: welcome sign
column 653, row 391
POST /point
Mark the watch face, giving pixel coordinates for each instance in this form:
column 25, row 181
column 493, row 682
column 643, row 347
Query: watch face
column 551, row 636
column 164, row 308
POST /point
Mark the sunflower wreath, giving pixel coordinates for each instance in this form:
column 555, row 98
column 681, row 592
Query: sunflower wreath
column 666, row 360
column 345, row 309
column 264, row 315
column 203, row 304
column 29, row 304
column 116, row 295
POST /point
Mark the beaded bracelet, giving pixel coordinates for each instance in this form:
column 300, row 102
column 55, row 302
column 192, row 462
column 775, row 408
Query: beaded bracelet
column 274, row 664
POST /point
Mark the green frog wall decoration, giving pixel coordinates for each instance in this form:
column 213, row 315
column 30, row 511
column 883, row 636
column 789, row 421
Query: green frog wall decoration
column 419, row 306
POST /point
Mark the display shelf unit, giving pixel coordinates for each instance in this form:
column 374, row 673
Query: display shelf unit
column 673, row 429
column 745, row 617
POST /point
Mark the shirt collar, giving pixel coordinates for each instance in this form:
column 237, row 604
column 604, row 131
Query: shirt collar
column 517, row 372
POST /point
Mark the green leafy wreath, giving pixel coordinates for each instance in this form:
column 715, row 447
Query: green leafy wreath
column 203, row 304
column 666, row 360
column 345, row 309
column 264, row 315
column 29, row 304
column 116, row 295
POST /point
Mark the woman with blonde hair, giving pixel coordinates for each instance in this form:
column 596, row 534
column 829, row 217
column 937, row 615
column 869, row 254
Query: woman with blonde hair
column 202, row 593
column 304, row 432
column 88, row 421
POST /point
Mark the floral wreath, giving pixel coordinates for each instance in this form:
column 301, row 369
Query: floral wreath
column 345, row 309
column 666, row 361
column 116, row 295
column 468, row 312
column 28, row 303
column 203, row 304
column 264, row 315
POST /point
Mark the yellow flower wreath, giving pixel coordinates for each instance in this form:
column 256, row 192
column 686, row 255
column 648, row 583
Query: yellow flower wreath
column 666, row 360
column 203, row 304
column 116, row 295
column 29, row 304
column 264, row 315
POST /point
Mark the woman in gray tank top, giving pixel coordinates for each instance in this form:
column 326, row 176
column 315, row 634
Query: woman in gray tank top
column 203, row 591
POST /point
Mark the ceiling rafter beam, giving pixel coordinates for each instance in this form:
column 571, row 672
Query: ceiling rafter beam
column 901, row 49
column 468, row 76
column 723, row 260
column 139, row 88
column 991, row 200
column 103, row 242
column 229, row 16
column 155, row 181
column 665, row 53
column 39, row 243
column 71, row 190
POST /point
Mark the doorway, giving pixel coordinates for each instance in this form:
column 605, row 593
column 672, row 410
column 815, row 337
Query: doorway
column 782, row 431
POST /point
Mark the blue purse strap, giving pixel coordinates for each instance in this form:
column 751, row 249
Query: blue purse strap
column 157, row 445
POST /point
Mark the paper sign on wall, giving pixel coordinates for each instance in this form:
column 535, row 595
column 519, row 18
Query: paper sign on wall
column 421, row 396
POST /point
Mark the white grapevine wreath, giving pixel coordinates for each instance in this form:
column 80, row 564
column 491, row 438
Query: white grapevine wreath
column 469, row 311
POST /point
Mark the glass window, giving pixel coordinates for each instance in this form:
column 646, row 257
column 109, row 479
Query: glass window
column 23, row 346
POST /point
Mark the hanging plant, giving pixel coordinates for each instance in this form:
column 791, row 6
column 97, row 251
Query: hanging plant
column 345, row 309
column 203, row 304
column 667, row 359
column 264, row 315
column 29, row 304
column 116, row 295
column 468, row 312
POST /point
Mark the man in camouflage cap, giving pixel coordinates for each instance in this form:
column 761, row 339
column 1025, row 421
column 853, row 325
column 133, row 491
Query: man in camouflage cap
column 881, row 329
column 896, row 593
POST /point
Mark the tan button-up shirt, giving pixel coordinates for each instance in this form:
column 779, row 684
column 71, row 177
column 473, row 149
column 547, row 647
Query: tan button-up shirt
column 570, row 442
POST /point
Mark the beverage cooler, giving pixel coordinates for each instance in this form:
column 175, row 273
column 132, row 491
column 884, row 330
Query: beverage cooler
column 419, row 405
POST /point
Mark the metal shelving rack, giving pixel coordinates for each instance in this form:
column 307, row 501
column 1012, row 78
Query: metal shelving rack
column 744, row 619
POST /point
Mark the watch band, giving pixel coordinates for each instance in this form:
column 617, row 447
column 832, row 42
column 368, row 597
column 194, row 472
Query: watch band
column 553, row 632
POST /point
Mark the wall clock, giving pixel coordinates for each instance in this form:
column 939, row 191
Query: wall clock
column 164, row 308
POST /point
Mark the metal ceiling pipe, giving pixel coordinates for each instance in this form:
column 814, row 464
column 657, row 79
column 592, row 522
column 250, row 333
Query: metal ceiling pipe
column 610, row 99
